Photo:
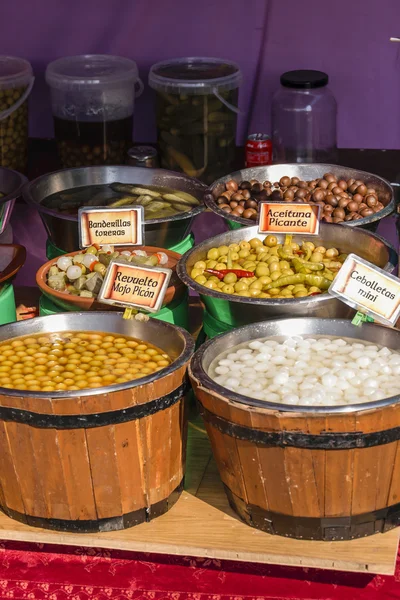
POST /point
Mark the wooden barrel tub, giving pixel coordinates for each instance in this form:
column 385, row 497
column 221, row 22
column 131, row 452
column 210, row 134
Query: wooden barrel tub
column 322, row 473
column 102, row 459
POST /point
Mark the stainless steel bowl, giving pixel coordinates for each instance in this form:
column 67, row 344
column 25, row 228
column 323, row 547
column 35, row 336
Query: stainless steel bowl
column 279, row 330
column 238, row 310
column 63, row 229
column 177, row 342
column 305, row 172
column 11, row 184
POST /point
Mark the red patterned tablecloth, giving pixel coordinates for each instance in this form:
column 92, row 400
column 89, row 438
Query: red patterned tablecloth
column 44, row 572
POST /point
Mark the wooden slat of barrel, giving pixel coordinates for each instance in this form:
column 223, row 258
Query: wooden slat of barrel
column 366, row 466
column 298, row 465
column 176, row 460
column 52, row 481
column 250, row 464
column 272, row 462
column 26, row 469
column 158, row 435
column 130, row 465
column 339, row 464
column 224, row 448
column 11, row 490
column 74, row 461
column 385, row 456
column 314, row 426
column 46, row 451
column 394, row 491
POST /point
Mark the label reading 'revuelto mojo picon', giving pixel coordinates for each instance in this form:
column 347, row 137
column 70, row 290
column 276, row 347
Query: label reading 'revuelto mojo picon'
column 288, row 217
column 115, row 226
column 368, row 288
column 129, row 285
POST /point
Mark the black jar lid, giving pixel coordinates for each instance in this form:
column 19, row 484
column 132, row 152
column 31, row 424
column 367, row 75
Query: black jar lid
column 304, row 79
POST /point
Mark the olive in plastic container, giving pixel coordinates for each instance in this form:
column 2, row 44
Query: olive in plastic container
column 93, row 99
column 196, row 112
column 16, row 82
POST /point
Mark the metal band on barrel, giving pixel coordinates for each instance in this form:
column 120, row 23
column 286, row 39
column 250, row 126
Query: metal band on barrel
column 316, row 528
column 88, row 421
column 142, row 515
column 296, row 439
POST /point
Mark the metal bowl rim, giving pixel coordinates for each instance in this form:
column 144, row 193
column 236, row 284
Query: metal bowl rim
column 189, row 345
column 203, row 291
column 23, row 180
column 26, row 193
column 196, row 367
column 212, row 205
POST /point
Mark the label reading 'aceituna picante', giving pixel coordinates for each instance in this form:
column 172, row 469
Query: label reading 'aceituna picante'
column 115, row 226
column 128, row 285
column 288, row 217
column 369, row 289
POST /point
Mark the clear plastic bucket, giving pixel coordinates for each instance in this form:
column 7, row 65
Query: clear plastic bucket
column 16, row 82
column 196, row 111
column 93, row 99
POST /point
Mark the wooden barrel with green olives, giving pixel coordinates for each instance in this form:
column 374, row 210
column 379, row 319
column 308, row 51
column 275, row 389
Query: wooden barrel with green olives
column 16, row 80
column 196, row 112
column 92, row 100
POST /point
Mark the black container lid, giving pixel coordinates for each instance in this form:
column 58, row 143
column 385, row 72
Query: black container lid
column 304, row 79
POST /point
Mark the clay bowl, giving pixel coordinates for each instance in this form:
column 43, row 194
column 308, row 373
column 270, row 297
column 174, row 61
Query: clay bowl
column 12, row 258
column 69, row 302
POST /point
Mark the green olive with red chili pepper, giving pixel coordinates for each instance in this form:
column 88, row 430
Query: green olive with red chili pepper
column 267, row 269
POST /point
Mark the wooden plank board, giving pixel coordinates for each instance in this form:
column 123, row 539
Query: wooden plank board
column 202, row 524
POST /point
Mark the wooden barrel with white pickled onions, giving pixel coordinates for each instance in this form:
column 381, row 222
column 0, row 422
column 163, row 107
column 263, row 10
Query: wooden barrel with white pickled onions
column 92, row 420
column 295, row 462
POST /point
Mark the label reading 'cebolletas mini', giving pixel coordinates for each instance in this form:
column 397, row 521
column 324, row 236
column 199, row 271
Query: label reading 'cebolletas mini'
column 128, row 285
column 368, row 288
column 115, row 226
column 289, row 217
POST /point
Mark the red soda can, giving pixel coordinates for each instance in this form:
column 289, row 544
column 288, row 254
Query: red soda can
column 258, row 150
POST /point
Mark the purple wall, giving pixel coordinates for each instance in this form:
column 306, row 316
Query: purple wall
column 349, row 39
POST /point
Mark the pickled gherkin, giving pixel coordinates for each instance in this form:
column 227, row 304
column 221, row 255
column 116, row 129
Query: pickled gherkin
column 198, row 139
column 196, row 115
column 158, row 202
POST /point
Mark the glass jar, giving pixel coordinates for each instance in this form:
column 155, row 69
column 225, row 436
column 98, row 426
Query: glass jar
column 196, row 112
column 93, row 98
column 303, row 119
column 16, row 82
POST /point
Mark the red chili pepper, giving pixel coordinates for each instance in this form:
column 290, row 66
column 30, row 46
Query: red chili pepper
column 299, row 252
column 315, row 294
column 221, row 274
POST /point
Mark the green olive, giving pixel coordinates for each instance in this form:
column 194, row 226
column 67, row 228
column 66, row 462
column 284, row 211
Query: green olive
column 255, row 242
column 230, row 278
column 270, row 241
column 228, row 289
column 223, row 250
column 213, row 254
column 240, row 286
column 262, row 270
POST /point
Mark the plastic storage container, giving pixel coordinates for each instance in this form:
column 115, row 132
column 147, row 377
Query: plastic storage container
column 196, row 110
column 303, row 119
column 93, row 98
column 16, row 82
